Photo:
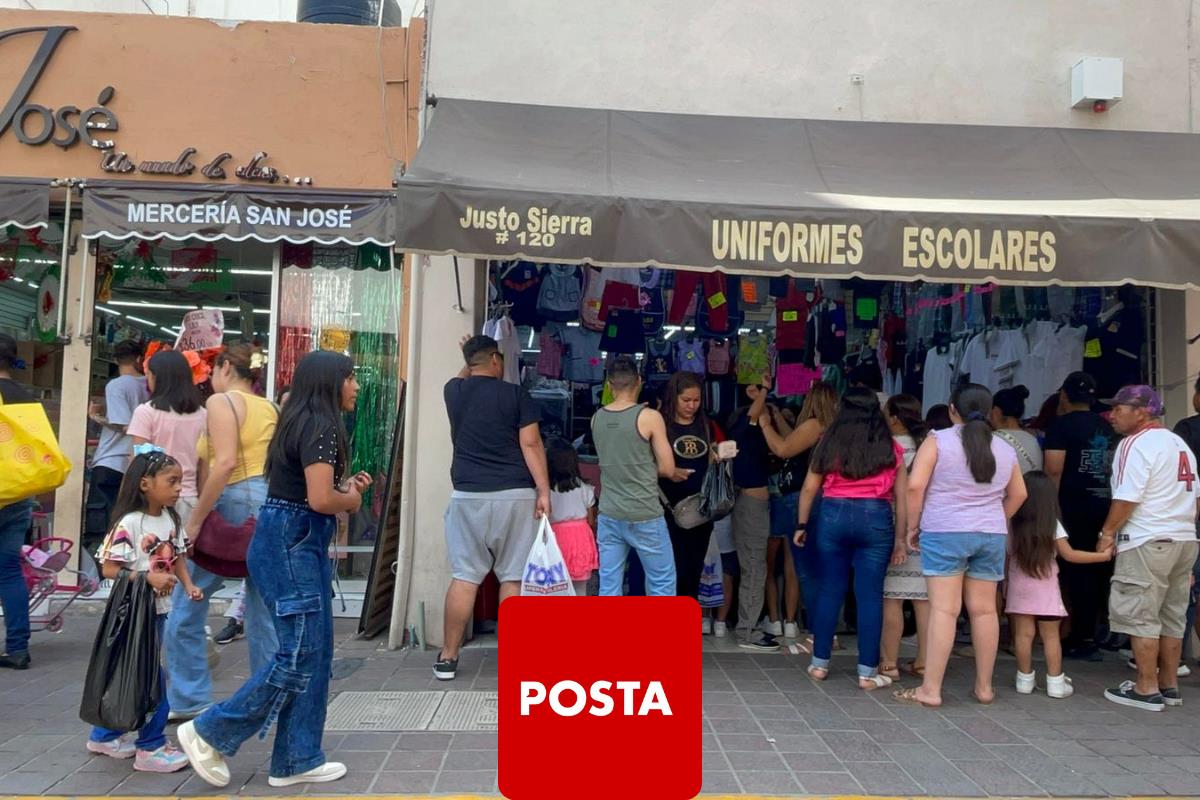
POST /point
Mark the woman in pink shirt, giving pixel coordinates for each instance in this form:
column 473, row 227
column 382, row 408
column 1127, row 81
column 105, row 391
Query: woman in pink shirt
column 965, row 486
column 173, row 419
column 859, row 470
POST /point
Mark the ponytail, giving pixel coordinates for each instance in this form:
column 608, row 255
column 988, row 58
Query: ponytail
column 973, row 402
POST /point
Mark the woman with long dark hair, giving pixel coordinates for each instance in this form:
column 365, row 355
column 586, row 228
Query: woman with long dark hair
column 905, row 580
column 232, row 458
column 173, row 419
column 691, row 441
column 965, row 486
column 859, row 471
column 307, row 466
column 794, row 446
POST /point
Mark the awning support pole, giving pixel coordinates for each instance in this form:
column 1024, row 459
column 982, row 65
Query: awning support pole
column 458, row 286
column 408, row 471
column 62, row 271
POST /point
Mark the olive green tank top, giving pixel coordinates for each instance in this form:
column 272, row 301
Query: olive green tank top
column 628, row 472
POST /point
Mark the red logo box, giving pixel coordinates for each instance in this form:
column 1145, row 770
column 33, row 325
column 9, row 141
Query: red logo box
column 616, row 739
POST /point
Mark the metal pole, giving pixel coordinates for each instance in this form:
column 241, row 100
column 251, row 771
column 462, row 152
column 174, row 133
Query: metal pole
column 408, row 522
column 62, row 272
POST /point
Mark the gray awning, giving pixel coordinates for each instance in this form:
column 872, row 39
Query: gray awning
column 24, row 203
column 808, row 197
column 213, row 212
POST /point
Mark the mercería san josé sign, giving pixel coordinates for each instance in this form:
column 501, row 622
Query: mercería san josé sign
column 67, row 126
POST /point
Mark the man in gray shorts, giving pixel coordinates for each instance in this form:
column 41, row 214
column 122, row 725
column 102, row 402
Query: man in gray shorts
column 1152, row 523
column 501, row 487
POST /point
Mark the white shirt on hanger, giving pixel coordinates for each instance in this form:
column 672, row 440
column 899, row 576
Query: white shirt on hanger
column 939, row 376
column 505, row 334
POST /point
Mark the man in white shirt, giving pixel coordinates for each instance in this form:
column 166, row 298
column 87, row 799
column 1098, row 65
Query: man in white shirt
column 1152, row 523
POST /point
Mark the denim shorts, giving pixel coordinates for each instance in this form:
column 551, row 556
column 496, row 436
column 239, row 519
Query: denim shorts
column 979, row 555
column 784, row 511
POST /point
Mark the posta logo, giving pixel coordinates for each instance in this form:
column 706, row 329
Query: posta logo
column 576, row 687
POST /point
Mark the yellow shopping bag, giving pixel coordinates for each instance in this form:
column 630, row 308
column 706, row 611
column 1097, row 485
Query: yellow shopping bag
column 31, row 462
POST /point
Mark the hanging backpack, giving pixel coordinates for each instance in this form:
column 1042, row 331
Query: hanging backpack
column 654, row 308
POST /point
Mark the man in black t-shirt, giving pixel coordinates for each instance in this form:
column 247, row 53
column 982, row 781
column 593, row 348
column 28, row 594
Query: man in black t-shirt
column 15, row 520
column 1079, row 448
column 501, row 487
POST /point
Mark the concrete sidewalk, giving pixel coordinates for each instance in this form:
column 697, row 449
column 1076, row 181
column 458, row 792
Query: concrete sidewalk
column 768, row 730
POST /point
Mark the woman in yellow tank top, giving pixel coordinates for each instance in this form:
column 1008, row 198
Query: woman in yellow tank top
column 232, row 460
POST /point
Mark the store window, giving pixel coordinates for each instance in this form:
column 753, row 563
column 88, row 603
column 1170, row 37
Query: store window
column 348, row 299
column 561, row 323
column 30, row 264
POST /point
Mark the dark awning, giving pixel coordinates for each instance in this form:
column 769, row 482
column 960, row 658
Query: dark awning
column 213, row 212
column 24, row 203
column 809, row 197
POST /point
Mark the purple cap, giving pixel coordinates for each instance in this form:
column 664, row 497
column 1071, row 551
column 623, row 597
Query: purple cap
column 1140, row 396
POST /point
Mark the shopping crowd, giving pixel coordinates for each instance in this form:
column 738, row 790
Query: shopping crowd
column 1079, row 526
column 187, row 492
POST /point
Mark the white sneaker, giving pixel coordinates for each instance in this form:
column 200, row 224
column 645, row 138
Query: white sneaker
column 329, row 771
column 1027, row 682
column 207, row 762
column 705, row 626
column 773, row 628
column 1059, row 686
column 1183, row 671
column 719, row 629
column 791, row 630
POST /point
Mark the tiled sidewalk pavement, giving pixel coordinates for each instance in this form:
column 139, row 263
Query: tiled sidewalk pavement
column 768, row 730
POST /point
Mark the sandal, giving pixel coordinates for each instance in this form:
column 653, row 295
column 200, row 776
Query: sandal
column 911, row 668
column 890, row 670
column 879, row 681
column 812, row 672
column 909, row 697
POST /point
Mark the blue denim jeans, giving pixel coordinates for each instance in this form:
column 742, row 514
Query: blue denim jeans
column 850, row 533
column 802, row 560
column 289, row 563
column 190, row 687
column 14, row 596
column 153, row 734
column 615, row 538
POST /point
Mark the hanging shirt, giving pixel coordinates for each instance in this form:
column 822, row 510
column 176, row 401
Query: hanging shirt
column 582, row 362
column 505, row 333
column 938, row 376
column 689, row 356
column 752, row 361
column 791, row 319
column 560, row 293
column 520, row 286
column 660, row 361
column 979, row 360
column 720, row 358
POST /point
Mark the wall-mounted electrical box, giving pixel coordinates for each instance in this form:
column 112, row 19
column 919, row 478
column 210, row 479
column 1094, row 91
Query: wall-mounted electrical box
column 1097, row 80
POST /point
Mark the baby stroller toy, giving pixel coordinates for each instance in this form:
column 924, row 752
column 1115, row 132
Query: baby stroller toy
column 44, row 561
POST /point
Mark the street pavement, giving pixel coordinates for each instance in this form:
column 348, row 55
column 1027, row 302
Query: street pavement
column 768, row 730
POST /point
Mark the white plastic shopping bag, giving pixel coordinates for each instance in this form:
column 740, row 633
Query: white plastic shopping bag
column 545, row 570
column 712, row 587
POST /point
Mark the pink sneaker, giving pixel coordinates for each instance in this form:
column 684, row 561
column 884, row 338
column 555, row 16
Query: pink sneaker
column 167, row 758
column 121, row 747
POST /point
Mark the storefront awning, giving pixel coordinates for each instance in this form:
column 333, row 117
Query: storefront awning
column 235, row 213
column 24, row 203
column 807, row 197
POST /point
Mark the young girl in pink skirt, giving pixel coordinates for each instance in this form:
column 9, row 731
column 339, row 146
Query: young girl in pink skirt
column 572, row 513
column 1032, row 598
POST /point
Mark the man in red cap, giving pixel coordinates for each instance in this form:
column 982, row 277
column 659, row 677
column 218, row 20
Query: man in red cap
column 1152, row 523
